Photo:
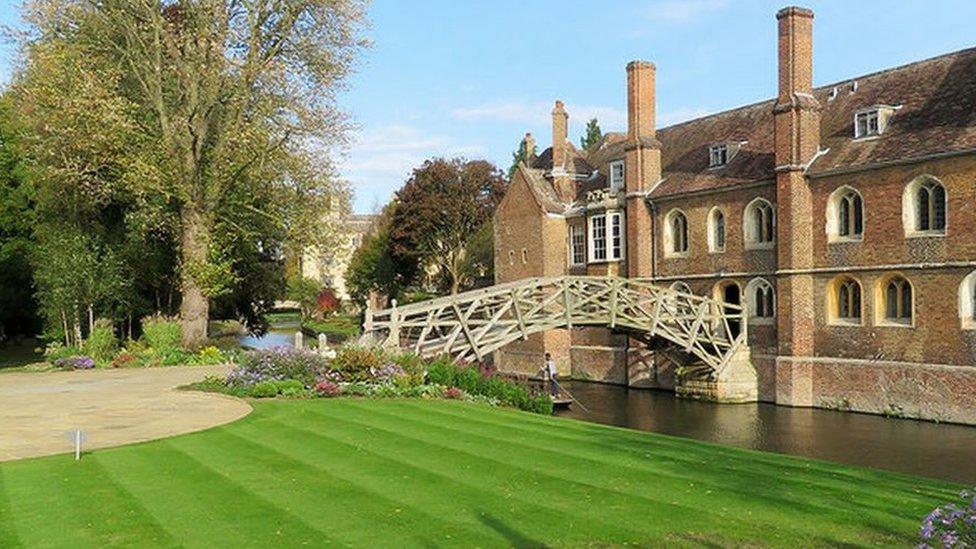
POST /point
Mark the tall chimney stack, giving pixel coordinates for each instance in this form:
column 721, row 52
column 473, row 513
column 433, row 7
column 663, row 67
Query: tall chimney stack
column 640, row 99
column 796, row 133
column 561, row 180
column 560, row 130
column 642, row 161
column 528, row 145
column 798, row 120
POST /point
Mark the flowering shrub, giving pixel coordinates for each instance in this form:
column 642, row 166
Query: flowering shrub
column 356, row 363
column 387, row 372
column 75, row 363
column 124, row 360
column 951, row 525
column 453, row 393
column 278, row 364
column 162, row 333
column 326, row 388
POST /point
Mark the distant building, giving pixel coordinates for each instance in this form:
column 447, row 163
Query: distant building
column 843, row 217
column 329, row 266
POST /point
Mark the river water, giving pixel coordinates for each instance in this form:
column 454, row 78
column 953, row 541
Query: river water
column 916, row 447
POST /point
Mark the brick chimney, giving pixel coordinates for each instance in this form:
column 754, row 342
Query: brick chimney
column 643, row 165
column 640, row 99
column 561, row 179
column 528, row 145
column 797, row 140
column 797, row 129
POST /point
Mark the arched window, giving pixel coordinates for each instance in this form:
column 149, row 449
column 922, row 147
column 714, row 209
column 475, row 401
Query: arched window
column 894, row 298
column 525, row 256
column 845, row 215
column 761, row 298
column 967, row 301
column 844, row 301
column 511, row 257
column 676, row 233
column 681, row 287
column 924, row 207
column 716, row 230
column 759, row 224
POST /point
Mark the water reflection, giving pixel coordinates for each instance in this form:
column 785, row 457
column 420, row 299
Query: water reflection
column 281, row 334
column 915, row 447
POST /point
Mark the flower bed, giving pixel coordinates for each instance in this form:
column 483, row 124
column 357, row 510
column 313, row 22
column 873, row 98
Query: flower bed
column 951, row 525
column 364, row 372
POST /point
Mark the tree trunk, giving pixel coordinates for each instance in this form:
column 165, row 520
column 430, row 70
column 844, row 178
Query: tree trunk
column 194, row 307
column 67, row 333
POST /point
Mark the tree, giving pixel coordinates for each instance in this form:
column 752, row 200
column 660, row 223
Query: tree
column 373, row 267
column 221, row 101
column 17, row 218
column 592, row 136
column 522, row 154
column 442, row 204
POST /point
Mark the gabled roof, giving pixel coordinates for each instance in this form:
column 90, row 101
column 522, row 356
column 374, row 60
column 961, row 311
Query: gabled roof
column 937, row 114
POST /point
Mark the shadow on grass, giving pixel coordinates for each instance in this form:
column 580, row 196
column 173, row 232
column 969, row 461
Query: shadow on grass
column 513, row 536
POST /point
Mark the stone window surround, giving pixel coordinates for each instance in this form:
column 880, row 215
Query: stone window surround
column 712, row 222
column 833, row 215
column 748, row 223
column 909, row 208
column 668, row 235
column 752, row 305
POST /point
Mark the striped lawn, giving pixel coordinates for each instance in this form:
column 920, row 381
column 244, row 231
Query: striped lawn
column 421, row 473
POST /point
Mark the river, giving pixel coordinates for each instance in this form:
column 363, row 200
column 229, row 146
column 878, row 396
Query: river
column 923, row 448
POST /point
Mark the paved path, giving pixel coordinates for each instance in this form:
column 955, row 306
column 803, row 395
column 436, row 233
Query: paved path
column 113, row 407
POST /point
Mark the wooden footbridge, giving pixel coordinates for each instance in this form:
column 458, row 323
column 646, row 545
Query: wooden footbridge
column 473, row 324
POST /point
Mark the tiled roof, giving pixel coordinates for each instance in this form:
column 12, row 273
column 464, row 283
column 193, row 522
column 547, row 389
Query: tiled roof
column 936, row 114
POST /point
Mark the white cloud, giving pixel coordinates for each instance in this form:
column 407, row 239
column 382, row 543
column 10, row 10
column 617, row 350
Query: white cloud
column 674, row 11
column 537, row 113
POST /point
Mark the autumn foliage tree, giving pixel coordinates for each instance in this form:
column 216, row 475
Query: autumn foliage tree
column 441, row 208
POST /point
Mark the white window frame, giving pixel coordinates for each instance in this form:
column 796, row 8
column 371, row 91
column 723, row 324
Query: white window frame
column 577, row 245
column 718, row 155
column 616, row 180
column 872, row 123
column 612, row 239
column 670, row 237
column 597, row 244
column 615, row 248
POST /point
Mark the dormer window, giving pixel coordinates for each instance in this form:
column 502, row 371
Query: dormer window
column 718, row 155
column 616, row 170
column 872, row 121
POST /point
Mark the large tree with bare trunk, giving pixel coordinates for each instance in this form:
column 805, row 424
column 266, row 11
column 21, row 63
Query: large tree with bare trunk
column 229, row 108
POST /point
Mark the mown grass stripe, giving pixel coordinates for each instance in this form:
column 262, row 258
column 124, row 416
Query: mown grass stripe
column 197, row 503
column 624, row 438
column 696, row 493
column 8, row 524
column 116, row 521
column 554, row 480
column 674, row 462
column 422, row 485
column 317, row 492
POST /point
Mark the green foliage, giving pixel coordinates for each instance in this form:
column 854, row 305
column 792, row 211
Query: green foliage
column 263, row 389
column 57, row 350
column 162, row 334
column 592, row 136
column 305, row 291
column 102, row 345
column 471, row 380
column 338, row 327
column 373, row 268
column 355, row 363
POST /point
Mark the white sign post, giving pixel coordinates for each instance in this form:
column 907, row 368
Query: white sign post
column 77, row 437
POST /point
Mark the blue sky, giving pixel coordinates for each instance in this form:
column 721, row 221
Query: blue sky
column 467, row 78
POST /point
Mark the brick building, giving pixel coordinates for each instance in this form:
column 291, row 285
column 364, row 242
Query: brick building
column 842, row 216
